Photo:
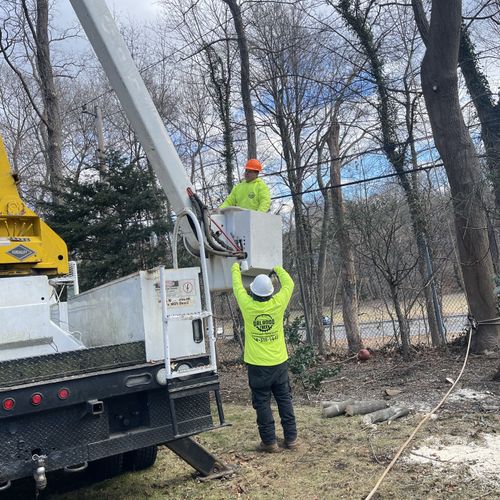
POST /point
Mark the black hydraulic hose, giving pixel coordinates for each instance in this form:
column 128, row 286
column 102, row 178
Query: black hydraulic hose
column 202, row 214
column 211, row 246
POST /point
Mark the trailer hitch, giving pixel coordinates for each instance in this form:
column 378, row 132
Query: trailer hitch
column 39, row 471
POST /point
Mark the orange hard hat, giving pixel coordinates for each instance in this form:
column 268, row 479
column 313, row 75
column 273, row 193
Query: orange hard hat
column 253, row 164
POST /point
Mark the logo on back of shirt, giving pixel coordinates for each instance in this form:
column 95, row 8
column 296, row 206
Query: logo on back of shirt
column 263, row 322
column 251, row 195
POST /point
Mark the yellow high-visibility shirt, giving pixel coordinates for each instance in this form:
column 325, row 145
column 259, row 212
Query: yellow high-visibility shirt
column 253, row 195
column 264, row 334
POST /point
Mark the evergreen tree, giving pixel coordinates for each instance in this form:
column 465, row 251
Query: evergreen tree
column 115, row 225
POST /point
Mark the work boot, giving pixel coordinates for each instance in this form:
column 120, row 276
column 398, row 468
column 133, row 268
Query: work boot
column 292, row 445
column 268, row 448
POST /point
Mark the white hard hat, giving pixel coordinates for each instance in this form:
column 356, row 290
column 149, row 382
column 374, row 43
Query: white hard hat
column 262, row 286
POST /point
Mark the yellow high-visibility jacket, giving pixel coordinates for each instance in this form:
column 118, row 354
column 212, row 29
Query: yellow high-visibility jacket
column 253, row 195
column 264, row 334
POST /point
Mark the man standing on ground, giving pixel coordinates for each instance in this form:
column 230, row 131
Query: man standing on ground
column 265, row 353
column 251, row 193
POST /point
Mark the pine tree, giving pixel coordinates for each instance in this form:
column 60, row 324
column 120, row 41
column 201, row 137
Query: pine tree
column 115, row 225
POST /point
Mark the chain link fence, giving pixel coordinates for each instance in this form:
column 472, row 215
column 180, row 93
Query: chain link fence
column 378, row 324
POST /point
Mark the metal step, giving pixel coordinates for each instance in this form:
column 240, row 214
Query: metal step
column 190, row 316
column 183, row 388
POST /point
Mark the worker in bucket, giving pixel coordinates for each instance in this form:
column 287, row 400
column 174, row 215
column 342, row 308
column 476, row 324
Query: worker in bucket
column 252, row 193
column 266, row 354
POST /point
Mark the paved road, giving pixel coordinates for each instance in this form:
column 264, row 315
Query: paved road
column 384, row 330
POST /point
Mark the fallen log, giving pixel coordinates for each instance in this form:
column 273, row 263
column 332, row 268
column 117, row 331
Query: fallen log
column 389, row 414
column 326, row 404
column 363, row 407
column 336, row 408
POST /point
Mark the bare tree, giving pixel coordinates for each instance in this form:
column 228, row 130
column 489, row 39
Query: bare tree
column 291, row 102
column 380, row 229
column 33, row 24
column 487, row 109
column 245, row 76
column 220, row 89
column 479, row 89
column 349, row 292
column 452, row 139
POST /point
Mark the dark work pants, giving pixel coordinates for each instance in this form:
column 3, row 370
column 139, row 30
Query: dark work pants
column 264, row 381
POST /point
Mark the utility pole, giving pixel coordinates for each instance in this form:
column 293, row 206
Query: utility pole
column 101, row 150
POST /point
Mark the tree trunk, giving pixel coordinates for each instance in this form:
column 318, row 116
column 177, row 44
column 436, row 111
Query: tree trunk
column 440, row 88
column 245, row 77
column 53, row 137
column 309, row 277
column 364, row 407
column 221, row 85
column 487, row 111
column 349, row 293
column 388, row 414
column 404, row 327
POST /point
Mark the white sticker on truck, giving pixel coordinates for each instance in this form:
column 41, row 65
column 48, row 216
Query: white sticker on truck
column 180, row 293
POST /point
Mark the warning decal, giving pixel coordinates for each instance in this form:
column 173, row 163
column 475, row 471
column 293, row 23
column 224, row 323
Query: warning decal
column 180, row 293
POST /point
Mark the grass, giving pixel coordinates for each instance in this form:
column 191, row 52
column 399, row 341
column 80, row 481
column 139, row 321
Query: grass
column 338, row 458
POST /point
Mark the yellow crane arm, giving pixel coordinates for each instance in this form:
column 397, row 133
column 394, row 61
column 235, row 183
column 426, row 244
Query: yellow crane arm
column 27, row 244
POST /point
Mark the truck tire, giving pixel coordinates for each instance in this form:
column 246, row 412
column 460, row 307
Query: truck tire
column 106, row 468
column 141, row 459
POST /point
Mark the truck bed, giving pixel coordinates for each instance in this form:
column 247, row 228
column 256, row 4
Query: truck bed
column 58, row 365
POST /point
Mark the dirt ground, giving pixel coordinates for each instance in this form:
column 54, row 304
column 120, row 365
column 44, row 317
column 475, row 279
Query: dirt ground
column 422, row 380
column 456, row 455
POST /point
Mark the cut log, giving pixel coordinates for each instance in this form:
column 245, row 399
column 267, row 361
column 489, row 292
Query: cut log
column 388, row 414
column 326, row 404
column 337, row 408
column 363, row 407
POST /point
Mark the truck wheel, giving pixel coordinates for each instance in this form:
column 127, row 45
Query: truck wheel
column 106, row 468
column 141, row 459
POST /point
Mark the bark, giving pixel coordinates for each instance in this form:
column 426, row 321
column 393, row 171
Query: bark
column 364, row 407
column 440, row 88
column 53, row 137
column 336, row 408
column 395, row 153
column 487, row 111
column 404, row 327
column 221, row 93
column 348, row 272
column 245, row 77
column 481, row 95
column 388, row 414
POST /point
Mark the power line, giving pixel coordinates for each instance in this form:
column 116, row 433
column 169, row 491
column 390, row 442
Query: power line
column 360, row 181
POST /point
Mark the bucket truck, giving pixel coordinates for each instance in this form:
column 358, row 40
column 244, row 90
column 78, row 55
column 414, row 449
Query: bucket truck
column 105, row 377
